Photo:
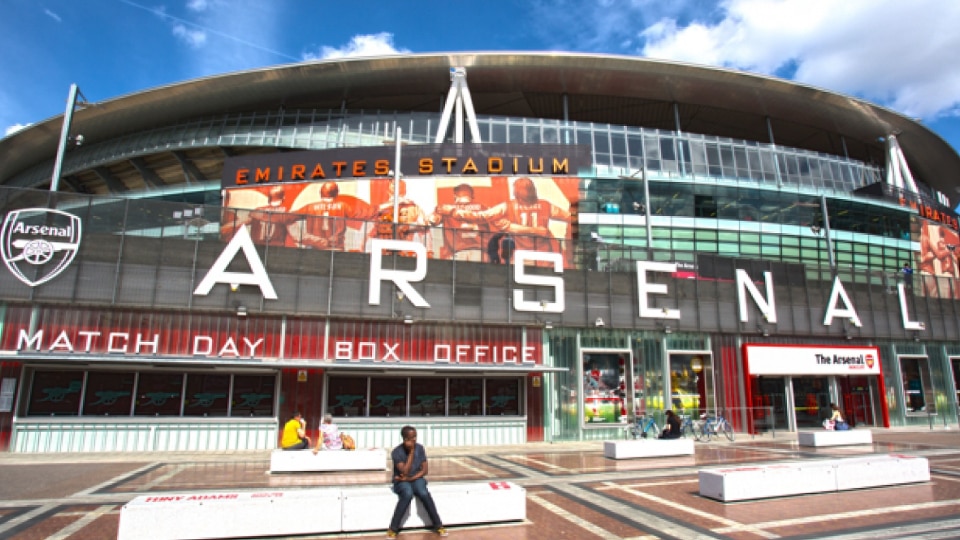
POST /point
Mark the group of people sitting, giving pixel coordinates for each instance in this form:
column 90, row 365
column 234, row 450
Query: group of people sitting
column 295, row 435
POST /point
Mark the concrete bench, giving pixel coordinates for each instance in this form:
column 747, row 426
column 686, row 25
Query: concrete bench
column 230, row 514
column 785, row 479
column 366, row 508
column 826, row 437
column 647, row 448
column 289, row 512
column 364, row 459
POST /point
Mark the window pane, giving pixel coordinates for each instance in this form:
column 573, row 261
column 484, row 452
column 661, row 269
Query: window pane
column 388, row 397
column 253, row 395
column 465, row 396
column 55, row 393
column 916, row 384
column 158, row 394
column 503, row 397
column 427, row 397
column 108, row 393
column 347, row 396
column 206, row 394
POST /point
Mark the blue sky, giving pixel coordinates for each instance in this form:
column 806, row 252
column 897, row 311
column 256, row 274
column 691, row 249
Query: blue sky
column 897, row 53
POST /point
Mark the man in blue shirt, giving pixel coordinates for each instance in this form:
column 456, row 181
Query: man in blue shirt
column 409, row 479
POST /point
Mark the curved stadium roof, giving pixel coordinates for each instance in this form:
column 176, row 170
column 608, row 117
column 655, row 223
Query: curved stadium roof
column 599, row 88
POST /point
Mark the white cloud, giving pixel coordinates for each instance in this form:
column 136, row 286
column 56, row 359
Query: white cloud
column 52, row 15
column 900, row 54
column 193, row 38
column 361, row 45
column 198, row 5
column 15, row 128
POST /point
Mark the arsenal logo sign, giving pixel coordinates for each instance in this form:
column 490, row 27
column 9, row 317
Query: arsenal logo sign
column 37, row 244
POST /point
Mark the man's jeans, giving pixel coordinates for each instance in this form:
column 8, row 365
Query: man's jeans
column 406, row 491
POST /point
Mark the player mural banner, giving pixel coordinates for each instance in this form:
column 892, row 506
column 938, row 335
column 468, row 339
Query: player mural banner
column 939, row 267
column 481, row 219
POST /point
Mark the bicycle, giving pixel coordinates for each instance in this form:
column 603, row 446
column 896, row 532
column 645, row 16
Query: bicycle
column 687, row 426
column 712, row 427
column 643, row 425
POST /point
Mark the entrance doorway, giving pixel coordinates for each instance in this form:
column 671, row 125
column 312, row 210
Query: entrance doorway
column 811, row 401
column 856, row 400
column 769, row 403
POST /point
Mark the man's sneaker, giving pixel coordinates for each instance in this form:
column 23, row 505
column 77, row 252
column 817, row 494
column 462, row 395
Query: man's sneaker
column 391, row 534
column 442, row 531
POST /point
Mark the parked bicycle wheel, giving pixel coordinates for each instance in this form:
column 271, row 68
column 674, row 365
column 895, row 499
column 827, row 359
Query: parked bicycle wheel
column 702, row 432
column 653, row 429
column 728, row 430
column 687, row 430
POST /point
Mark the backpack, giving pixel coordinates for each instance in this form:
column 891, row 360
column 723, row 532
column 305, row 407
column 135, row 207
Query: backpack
column 348, row 442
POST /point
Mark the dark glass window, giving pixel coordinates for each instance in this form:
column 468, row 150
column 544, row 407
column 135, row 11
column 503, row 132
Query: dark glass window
column 388, row 396
column 253, row 395
column 55, row 393
column 465, row 396
column 347, row 396
column 108, row 394
column 428, row 397
column 207, row 394
column 159, row 394
column 503, row 397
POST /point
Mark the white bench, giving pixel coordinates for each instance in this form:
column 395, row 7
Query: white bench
column 229, row 514
column 826, row 437
column 784, row 479
column 288, row 512
column 642, row 448
column 366, row 508
column 364, row 459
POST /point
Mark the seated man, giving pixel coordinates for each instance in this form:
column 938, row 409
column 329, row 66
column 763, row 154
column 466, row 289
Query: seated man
column 294, row 436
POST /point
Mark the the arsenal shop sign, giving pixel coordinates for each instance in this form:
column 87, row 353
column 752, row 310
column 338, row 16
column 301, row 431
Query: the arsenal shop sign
column 763, row 359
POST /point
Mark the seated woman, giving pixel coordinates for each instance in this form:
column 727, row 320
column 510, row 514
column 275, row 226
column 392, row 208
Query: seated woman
column 329, row 435
column 672, row 431
column 837, row 418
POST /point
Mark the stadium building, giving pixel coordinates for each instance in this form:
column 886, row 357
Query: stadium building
column 495, row 247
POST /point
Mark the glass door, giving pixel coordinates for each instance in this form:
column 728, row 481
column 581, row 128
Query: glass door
column 811, row 401
column 769, row 408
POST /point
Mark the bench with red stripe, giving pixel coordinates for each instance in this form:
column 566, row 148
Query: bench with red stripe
column 287, row 512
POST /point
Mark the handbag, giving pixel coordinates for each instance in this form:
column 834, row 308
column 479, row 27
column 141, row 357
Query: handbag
column 348, row 442
column 841, row 426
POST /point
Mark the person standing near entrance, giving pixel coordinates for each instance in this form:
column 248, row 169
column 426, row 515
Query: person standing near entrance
column 409, row 480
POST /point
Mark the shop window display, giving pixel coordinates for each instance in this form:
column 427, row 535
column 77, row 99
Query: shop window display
column 603, row 388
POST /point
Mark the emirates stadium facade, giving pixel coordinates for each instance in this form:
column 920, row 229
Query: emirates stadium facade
column 495, row 247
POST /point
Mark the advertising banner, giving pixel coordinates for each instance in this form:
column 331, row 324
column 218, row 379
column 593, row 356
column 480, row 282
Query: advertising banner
column 481, row 219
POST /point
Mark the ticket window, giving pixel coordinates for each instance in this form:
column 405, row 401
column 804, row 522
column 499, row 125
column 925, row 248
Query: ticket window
column 917, row 387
